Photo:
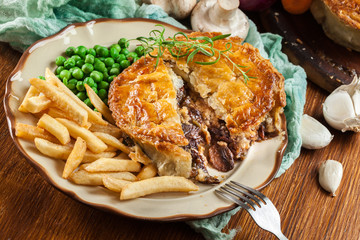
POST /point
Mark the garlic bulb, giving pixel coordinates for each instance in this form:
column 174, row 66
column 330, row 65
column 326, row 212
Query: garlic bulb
column 314, row 135
column 341, row 108
column 330, row 174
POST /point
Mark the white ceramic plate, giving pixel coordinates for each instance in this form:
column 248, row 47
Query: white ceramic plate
column 256, row 171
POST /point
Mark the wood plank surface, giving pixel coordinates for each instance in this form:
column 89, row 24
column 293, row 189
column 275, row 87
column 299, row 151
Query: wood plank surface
column 30, row 208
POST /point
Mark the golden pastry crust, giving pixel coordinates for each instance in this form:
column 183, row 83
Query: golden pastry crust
column 143, row 102
column 347, row 10
column 241, row 105
column 215, row 117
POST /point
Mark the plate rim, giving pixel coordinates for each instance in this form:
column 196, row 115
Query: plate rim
column 44, row 172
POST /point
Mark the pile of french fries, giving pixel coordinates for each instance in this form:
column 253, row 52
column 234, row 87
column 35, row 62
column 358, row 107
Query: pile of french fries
column 91, row 146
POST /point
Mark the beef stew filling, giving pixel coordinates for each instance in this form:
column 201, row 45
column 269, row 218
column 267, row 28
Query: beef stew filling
column 209, row 139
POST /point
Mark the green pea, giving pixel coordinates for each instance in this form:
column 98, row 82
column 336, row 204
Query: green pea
column 87, row 68
column 116, row 65
column 124, row 64
column 111, row 78
column 88, row 102
column 72, row 84
column 123, row 42
column 131, row 56
column 69, row 63
column 102, row 59
column 103, row 85
column 70, row 51
column 80, row 86
column 58, row 76
column 80, row 63
column 81, row 95
column 109, row 61
column 42, row 77
column 96, row 47
column 92, row 51
column 124, row 51
column 76, row 57
column 65, row 74
column 114, row 71
column 140, row 50
column 97, row 76
column 120, row 58
column 59, row 61
column 114, row 52
column 65, row 81
column 81, row 51
column 59, row 69
column 102, row 52
column 116, row 46
column 71, row 70
column 102, row 93
column 89, row 81
column 105, row 76
column 100, row 66
column 89, row 59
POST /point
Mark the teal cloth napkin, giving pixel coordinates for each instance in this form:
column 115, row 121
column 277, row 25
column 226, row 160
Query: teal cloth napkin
column 23, row 22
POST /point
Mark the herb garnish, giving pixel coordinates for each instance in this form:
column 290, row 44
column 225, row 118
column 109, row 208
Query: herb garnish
column 187, row 48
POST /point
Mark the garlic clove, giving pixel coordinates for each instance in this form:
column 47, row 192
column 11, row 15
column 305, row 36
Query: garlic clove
column 314, row 135
column 356, row 101
column 341, row 108
column 330, row 174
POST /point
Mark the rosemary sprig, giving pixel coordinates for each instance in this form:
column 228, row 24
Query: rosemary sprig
column 187, row 48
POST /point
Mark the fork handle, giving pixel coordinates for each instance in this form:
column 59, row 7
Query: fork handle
column 280, row 236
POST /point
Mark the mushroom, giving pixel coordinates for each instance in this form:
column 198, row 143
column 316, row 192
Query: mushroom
column 220, row 16
column 178, row 9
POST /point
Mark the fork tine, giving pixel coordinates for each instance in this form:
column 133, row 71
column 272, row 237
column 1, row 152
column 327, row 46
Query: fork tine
column 245, row 193
column 257, row 193
column 248, row 201
column 233, row 199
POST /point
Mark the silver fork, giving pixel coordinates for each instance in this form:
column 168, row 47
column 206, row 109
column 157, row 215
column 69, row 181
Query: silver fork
column 261, row 209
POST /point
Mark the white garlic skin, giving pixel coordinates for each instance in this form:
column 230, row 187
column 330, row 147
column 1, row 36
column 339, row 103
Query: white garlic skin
column 330, row 174
column 341, row 108
column 314, row 135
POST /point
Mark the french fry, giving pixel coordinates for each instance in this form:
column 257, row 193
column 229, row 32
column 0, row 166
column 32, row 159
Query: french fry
column 99, row 104
column 86, row 178
column 75, row 158
column 112, row 141
column 122, row 155
column 114, row 184
column 57, row 113
column 110, row 149
column 139, row 156
column 63, row 151
column 61, row 100
column 32, row 91
column 30, row 132
column 37, row 104
column 147, row 171
column 113, row 165
column 157, row 185
column 92, row 142
column 93, row 116
column 55, row 128
column 109, row 129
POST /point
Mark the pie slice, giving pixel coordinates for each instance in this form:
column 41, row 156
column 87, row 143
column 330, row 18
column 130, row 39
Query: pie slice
column 187, row 116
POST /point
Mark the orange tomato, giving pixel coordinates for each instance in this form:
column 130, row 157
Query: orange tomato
column 296, row 6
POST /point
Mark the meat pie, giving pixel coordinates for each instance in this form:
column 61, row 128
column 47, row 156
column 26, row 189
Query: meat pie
column 187, row 116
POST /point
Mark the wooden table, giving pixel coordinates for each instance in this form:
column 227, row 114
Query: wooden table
column 30, row 208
